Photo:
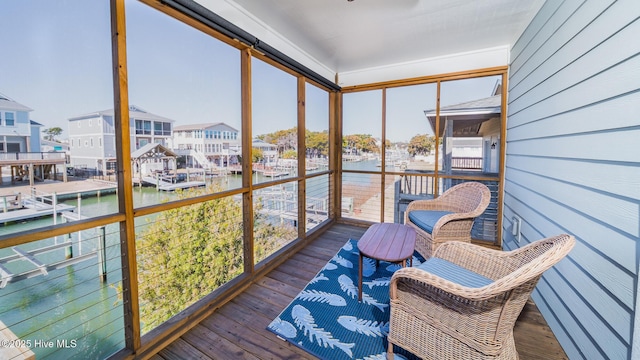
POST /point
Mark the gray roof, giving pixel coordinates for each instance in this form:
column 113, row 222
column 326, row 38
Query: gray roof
column 151, row 148
column 10, row 104
column 490, row 105
column 261, row 143
column 135, row 112
column 203, row 126
column 467, row 116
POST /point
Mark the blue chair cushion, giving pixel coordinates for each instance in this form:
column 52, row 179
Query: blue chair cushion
column 454, row 273
column 426, row 219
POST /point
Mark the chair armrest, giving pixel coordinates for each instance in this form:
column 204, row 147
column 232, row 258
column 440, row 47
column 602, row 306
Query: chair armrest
column 493, row 264
column 427, row 204
column 490, row 263
column 428, row 280
column 452, row 221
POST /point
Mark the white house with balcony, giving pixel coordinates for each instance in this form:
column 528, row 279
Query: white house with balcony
column 92, row 139
column 17, row 132
column 208, row 145
column 20, row 145
column 269, row 151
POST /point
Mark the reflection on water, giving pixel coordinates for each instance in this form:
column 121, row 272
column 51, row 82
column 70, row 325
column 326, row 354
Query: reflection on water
column 70, row 306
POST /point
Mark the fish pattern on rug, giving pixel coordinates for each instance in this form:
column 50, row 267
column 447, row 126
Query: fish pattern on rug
column 327, row 320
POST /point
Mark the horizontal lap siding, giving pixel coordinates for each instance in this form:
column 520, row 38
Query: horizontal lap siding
column 573, row 166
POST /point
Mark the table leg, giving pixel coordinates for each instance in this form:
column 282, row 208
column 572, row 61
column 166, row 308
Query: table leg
column 360, row 277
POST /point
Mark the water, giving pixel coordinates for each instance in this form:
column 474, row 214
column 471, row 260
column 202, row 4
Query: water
column 70, row 307
column 70, row 313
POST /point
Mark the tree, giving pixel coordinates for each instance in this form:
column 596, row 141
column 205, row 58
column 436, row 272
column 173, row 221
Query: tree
column 52, row 133
column 186, row 253
column 317, row 143
column 256, row 155
column 360, row 143
column 289, row 154
column 421, row 144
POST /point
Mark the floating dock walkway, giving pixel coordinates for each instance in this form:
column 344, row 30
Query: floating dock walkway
column 170, row 186
column 34, row 207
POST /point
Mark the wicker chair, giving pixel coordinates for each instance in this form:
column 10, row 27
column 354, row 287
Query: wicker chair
column 455, row 211
column 436, row 318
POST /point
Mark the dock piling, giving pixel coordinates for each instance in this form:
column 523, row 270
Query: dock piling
column 102, row 255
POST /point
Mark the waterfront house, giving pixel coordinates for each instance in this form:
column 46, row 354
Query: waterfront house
column 269, row 152
column 477, row 119
column 20, row 145
column 92, row 138
column 568, row 163
column 207, row 145
column 18, row 133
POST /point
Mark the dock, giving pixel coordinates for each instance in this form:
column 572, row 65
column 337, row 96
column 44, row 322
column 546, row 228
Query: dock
column 32, row 210
column 170, row 186
column 15, row 348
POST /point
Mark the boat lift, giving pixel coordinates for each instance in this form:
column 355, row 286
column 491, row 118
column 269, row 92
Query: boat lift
column 30, row 256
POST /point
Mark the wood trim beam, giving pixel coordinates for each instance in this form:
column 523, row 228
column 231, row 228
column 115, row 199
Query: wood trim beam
column 502, row 155
column 301, row 146
column 383, row 153
column 437, row 141
column 335, row 150
column 125, row 190
column 499, row 70
column 247, row 142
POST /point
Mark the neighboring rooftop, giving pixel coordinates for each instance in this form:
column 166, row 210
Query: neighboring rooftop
column 9, row 104
column 202, row 126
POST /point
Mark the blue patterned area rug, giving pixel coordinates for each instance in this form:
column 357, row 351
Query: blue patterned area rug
column 327, row 320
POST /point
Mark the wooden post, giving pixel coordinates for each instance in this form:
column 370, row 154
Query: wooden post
column 79, row 207
column 31, row 175
column 54, row 213
column 102, row 255
column 68, row 251
column 130, row 298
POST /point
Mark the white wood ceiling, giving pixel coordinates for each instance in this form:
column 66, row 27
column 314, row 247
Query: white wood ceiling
column 353, row 35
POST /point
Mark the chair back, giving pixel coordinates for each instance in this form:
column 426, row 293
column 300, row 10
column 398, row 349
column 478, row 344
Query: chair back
column 470, row 196
column 529, row 263
column 531, row 260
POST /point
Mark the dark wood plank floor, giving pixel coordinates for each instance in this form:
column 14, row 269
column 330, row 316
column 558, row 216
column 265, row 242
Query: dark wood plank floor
column 238, row 329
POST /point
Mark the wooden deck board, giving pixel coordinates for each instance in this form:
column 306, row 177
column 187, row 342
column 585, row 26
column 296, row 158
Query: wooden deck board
column 253, row 340
column 238, row 329
column 216, row 347
column 180, row 349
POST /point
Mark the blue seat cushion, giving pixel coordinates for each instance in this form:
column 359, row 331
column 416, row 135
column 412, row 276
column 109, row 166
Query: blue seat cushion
column 426, row 219
column 454, row 273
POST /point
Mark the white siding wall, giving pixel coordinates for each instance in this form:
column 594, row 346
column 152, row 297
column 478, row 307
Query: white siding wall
column 573, row 166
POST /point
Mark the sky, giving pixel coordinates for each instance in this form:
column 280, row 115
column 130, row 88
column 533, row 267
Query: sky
column 60, row 66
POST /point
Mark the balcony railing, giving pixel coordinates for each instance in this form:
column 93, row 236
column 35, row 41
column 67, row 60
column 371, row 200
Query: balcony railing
column 32, row 156
column 466, row 163
column 240, row 326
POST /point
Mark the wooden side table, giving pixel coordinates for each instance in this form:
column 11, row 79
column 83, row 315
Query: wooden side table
column 388, row 242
